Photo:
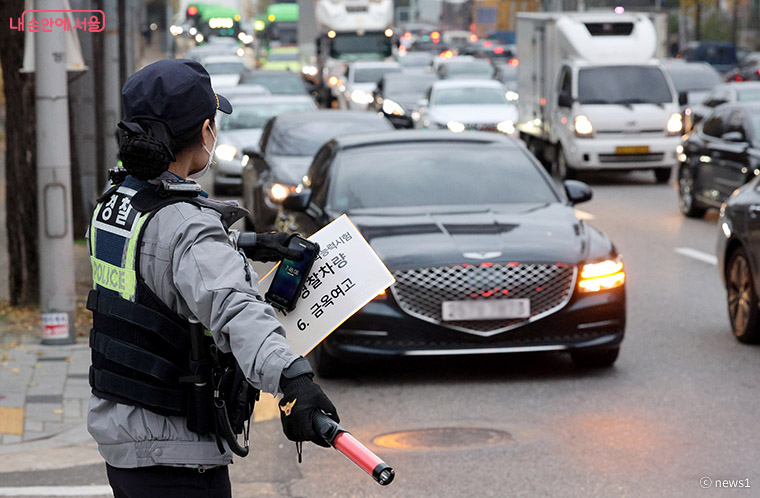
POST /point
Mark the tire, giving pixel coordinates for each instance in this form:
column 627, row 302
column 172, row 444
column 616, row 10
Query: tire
column 325, row 365
column 743, row 309
column 595, row 358
column 662, row 175
column 561, row 170
column 686, row 202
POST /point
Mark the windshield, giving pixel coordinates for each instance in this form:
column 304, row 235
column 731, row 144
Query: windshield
column 469, row 95
column 507, row 73
column 475, row 68
column 686, row 79
column 623, row 85
column 284, row 32
column 282, row 57
column 435, row 174
column 256, row 116
column 347, row 45
column 373, row 74
column 280, row 84
column 406, row 85
column 304, row 139
column 214, row 68
column 747, row 95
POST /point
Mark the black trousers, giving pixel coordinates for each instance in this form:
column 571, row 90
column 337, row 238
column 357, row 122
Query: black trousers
column 167, row 482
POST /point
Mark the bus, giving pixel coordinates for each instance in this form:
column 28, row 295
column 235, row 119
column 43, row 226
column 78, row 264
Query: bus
column 282, row 24
column 214, row 20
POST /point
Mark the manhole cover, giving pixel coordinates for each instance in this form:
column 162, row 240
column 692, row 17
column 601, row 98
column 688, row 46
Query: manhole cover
column 446, row 437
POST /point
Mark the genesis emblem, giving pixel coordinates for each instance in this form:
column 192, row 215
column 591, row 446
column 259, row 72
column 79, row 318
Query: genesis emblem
column 482, row 255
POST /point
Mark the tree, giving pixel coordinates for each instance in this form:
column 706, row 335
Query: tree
column 20, row 163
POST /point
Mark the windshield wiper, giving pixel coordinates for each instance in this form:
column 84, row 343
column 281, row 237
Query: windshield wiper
column 629, row 102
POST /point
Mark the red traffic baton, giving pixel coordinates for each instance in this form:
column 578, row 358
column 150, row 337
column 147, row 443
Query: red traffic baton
column 351, row 448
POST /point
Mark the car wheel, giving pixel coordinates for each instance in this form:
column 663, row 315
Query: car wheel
column 595, row 358
column 686, row 202
column 561, row 170
column 742, row 300
column 662, row 175
column 325, row 364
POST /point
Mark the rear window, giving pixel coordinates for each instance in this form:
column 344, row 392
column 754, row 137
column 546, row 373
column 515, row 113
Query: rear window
column 304, row 139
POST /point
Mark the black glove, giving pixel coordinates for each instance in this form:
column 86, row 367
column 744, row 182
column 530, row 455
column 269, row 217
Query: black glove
column 266, row 247
column 301, row 396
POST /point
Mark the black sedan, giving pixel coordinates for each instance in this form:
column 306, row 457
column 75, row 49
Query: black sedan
column 488, row 256
column 739, row 260
column 286, row 148
column 722, row 155
column 397, row 96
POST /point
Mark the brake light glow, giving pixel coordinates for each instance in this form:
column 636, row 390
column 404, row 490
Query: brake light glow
column 514, row 62
column 498, row 50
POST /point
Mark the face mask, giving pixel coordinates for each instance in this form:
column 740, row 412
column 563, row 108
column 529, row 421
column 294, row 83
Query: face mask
column 202, row 172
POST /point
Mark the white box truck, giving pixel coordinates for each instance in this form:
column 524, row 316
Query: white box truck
column 592, row 95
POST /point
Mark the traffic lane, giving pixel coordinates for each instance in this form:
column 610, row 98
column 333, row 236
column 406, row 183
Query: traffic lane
column 665, row 416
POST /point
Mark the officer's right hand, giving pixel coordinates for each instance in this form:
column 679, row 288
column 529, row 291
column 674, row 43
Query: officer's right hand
column 301, row 397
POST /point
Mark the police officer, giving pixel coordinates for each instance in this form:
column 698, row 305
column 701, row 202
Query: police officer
column 162, row 256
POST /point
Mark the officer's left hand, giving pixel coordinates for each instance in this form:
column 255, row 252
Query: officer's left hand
column 267, row 247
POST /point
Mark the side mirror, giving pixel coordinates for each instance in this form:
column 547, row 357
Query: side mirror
column 564, row 100
column 577, row 192
column 297, row 201
column 734, row 136
column 683, row 98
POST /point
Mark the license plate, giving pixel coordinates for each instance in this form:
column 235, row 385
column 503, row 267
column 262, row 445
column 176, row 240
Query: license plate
column 485, row 310
column 632, row 149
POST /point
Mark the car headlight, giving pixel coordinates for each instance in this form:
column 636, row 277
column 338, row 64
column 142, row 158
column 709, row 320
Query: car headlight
column 455, row 126
column 226, row 152
column 512, row 96
column 361, row 97
column 309, row 70
column 603, row 275
column 391, row 107
column 675, row 124
column 507, row 127
column 278, row 191
column 583, row 126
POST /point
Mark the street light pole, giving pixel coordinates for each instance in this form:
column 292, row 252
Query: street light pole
column 56, row 244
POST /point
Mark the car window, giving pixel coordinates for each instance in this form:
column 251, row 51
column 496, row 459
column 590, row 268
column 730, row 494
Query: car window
column 372, row 74
column 469, row 95
column 257, row 115
column 714, row 125
column 214, row 68
column 316, row 178
column 748, row 95
column 690, row 78
column 623, row 85
column 277, row 84
column 304, row 138
column 754, row 128
column 434, row 174
column 735, row 122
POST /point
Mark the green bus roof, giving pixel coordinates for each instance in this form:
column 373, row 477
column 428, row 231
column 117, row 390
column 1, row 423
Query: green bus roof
column 283, row 12
column 209, row 10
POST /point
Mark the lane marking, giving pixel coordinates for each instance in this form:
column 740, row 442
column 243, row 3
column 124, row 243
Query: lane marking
column 583, row 215
column 698, row 255
column 57, row 491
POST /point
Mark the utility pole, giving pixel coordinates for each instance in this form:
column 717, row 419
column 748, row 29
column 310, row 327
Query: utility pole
column 56, row 242
column 111, row 85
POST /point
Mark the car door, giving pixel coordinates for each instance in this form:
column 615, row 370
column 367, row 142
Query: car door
column 730, row 162
column 314, row 217
column 704, row 170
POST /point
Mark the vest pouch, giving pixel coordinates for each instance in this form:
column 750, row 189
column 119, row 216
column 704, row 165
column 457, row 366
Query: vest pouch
column 238, row 395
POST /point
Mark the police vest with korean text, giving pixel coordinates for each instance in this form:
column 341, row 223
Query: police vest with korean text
column 140, row 347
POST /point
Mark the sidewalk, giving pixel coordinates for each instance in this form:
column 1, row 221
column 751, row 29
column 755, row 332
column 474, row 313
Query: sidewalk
column 44, row 391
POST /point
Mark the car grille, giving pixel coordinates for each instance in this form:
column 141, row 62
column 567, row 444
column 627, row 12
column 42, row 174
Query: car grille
column 481, row 126
column 630, row 158
column 420, row 292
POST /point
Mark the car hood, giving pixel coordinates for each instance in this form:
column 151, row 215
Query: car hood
column 537, row 233
column 620, row 118
column 407, row 100
column 486, row 114
column 242, row 139
column 289, row 169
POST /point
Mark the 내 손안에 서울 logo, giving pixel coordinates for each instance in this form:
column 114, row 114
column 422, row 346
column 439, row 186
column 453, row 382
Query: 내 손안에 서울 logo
column 44, row 21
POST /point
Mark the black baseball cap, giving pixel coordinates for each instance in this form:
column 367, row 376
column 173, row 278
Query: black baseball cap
column 176, row 92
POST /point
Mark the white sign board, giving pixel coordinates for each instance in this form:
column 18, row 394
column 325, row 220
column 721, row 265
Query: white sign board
column 346, row 275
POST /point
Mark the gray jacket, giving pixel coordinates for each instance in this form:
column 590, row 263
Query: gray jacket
column 188, row 260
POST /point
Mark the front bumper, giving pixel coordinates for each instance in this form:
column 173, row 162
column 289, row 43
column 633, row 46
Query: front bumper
column 381, row 328
column 602, row 152
column 228, row 173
